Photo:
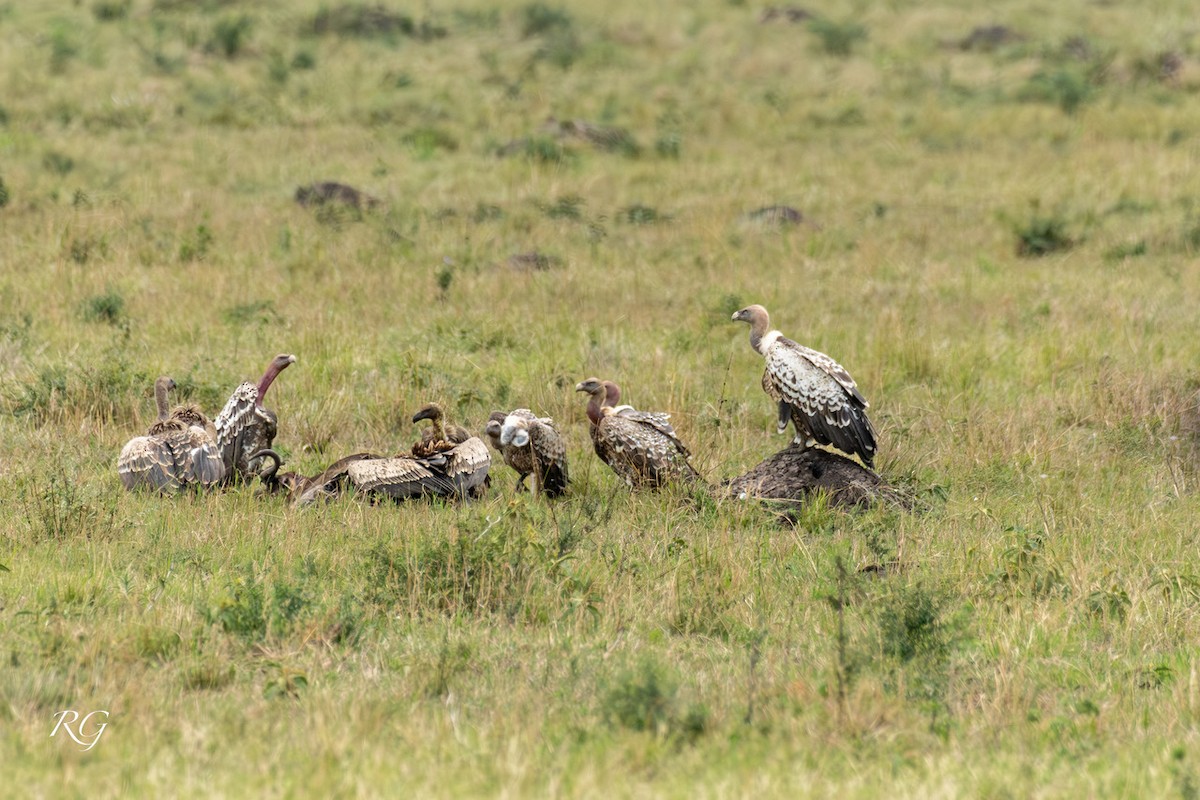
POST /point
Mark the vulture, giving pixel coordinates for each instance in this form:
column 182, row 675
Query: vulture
column 532, row 446
column 439, row 436
column 301, row 490
column 178, row 450
column 245, row 427
column 460, row 471
column 450, row 462
column 640, row 446
column 811, row 390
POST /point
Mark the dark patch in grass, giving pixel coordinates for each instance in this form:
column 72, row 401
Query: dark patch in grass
column 778, row 216
column 837, row 38
column 537, row 148
column 1126, row 250
column 793, row 14
column 1042, row 234
column 373, row 21
column 4, row 195
column 108, row 308
column 331, row 192
column 110, row 10
column 426, row 141
column 565, row 207
column 533, row 261
column 538, row 19
column 58, row 163
column 195, row 244
column 229, row 35
column 1066, row 87
column 638, row 214
column 987, row 38
column 646, row 698
column 608, row 138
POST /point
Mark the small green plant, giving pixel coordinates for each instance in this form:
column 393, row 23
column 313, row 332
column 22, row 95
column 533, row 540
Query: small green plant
column 1066, row 87
column 426, row 141
column 195, row 244
column 646, row 698
column 110, row 10
column 58, row 163
column 1042, row 234
column 108, row 308
column 229, row 35
column 4, row 195
column 836, row 38
column 638, row 214
column 538, row 19
column 568, row 206
column 1126, row 250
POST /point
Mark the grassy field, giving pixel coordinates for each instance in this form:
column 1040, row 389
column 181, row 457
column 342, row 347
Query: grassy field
column 1000, row 243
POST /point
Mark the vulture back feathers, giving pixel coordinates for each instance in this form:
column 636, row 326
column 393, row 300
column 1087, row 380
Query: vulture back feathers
column 244, row 427
column 811, row 390
column 641, row 447
column 178, row 450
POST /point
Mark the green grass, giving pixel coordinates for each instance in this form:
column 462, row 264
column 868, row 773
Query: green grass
column 1029, row 628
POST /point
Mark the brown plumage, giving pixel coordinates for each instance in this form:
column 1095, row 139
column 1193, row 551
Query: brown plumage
column 532, row 446
column 812, row 391
column 459, row 472
column 177, row 451
column 303, row 490
column 244, row 427
column 640, row 446
column 439, row 436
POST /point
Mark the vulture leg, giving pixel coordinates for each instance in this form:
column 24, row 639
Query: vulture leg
column 521, row 487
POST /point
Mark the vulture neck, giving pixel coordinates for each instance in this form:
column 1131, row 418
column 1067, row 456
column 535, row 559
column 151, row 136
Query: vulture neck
column 267, row 379
column 760, row 338
column 593, row 409
column 160, row 400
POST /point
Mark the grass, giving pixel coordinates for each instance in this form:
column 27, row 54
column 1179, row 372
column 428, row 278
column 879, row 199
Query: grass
column 1027, row 629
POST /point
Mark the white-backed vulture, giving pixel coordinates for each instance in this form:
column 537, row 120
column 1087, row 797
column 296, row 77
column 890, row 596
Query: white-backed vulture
column 244, row 427
column 178, row 450
column 640, row 446
column 531, row 445
column 811, row 390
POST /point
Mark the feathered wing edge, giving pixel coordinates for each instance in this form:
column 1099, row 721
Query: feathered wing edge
column 845, row 426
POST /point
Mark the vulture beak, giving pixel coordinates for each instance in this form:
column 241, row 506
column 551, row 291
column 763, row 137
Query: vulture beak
column 428, row 412
column 738, row 316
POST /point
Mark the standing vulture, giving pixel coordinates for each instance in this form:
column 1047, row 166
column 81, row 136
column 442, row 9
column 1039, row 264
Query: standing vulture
column 640, row 446
column 812, row 390
column 178, row 450
column 244, row 426
column 532, row 446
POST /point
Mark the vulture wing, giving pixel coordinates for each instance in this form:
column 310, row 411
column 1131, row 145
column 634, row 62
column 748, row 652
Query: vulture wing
column 640, row 453
column 329, row 483
column 824, row 401
column 197, row 456
column 148, row 462
column 399, row 477
column 232, row 424
column 549, row 457
column 467, row 465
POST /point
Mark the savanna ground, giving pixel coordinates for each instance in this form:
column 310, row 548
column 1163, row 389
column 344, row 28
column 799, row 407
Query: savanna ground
column 1000, row 243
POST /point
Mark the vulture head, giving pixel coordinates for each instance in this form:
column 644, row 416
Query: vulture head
column 759, row 321
column 495, row 427
column 430, row 411
column 277, row 365
column 591, row 386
